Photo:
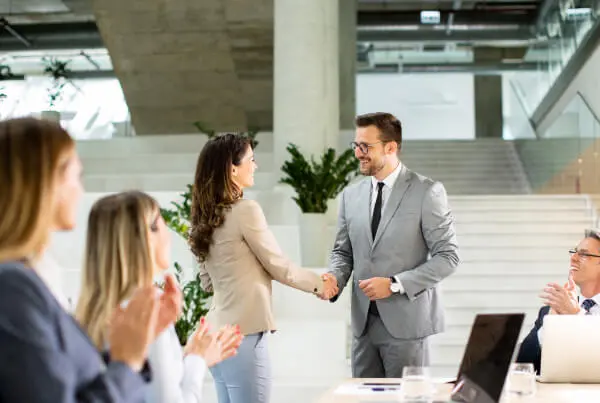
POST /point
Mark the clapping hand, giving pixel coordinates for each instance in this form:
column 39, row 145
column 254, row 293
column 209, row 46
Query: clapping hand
column 170, row 304
column 330, row 287
column 561, row 300
column 134, row 327
column 214, row 348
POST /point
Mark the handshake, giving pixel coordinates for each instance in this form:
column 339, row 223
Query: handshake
column 330, row 286
column 375, row 288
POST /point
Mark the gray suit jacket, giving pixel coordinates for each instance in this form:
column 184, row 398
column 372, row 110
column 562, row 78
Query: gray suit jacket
column 45, row 357
column 415, row 240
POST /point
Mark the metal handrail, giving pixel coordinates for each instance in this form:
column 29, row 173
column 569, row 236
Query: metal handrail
column 588, row 106
column 514, row 88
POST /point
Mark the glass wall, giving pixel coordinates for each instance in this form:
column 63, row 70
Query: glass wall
column 566, row 29
column 90, row 108
column 565, row 159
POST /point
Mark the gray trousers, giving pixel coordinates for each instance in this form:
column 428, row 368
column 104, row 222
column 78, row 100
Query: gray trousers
column 377, row 354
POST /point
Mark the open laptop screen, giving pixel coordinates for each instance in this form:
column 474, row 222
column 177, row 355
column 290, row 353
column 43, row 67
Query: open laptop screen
column 487, row 357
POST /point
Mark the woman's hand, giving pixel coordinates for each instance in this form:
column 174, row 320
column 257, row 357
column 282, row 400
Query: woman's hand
column 214, row 348
column 146, row 316
column 133, row 328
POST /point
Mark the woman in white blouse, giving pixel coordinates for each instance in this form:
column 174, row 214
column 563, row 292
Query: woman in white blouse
column 128, row 245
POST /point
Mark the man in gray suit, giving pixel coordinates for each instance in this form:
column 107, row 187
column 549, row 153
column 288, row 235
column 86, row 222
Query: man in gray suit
column 396, row 235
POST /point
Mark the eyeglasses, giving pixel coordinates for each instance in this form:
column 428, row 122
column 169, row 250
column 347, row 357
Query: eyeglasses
column 364, row 147
column 582, row 254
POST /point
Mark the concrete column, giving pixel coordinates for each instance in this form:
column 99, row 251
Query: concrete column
column 488, row 91
column 306, row 76
column 488, row 106
column 347, row 51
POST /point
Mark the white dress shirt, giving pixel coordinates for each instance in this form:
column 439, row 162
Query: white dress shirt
column 52, row 274
column 595, row 310
column 388, row 184
column 175, row 379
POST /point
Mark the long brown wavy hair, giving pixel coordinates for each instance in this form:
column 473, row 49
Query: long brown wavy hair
column 214, row 191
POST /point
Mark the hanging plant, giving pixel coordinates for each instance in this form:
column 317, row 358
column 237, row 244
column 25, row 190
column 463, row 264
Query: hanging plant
column 60, row 73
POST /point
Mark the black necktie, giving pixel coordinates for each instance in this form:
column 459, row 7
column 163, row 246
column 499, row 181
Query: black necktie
column 587, row 305
column 377, row 211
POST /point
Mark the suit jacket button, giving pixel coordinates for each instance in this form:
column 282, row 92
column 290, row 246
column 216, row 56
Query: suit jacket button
column 316, row 289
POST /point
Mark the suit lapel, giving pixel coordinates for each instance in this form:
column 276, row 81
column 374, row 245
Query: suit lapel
column 365, row 208
column 398, row 191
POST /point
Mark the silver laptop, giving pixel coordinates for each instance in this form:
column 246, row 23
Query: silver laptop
column 570, row 349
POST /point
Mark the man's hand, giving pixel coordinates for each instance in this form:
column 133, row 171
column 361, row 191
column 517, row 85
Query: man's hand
column 561, row 300
column 376, row 287
column 330, row 288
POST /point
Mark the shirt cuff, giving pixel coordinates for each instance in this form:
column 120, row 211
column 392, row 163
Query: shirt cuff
column 539, row 335
column 194, row 363
column 400, row 286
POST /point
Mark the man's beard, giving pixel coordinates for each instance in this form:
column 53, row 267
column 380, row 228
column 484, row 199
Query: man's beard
column 371, row 168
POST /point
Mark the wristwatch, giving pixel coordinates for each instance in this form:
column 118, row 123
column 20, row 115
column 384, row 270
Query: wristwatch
column 395, row 285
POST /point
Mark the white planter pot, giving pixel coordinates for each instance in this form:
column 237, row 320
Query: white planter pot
column 332, row 211
column 54, row 116
column 314, row 242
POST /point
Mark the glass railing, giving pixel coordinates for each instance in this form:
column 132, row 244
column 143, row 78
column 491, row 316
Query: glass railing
column 90, row 109
column 566, row 28
column 564, row 159
column 517, row 122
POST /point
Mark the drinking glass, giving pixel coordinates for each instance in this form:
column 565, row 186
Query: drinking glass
column 416, row 385
column 521, row 380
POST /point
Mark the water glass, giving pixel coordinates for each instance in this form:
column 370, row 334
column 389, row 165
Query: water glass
column 521, row 380
column 416, row 385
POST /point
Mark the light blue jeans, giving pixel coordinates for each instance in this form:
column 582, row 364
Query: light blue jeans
column 245, row 377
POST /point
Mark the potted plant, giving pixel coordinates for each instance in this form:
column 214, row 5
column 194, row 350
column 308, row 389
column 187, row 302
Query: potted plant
column 60, row 73
column 316, row 183
column 195, row 299
column 210, row 133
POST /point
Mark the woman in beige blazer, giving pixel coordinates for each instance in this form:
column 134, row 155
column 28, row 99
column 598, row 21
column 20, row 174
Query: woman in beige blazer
column 240, row 257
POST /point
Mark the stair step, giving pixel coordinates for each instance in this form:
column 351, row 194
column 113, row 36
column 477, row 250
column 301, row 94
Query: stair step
column 534, row 283
column 521, row 216
column 517, row 268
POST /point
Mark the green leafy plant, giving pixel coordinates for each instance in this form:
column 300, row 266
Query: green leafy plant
column 194, row 297
column 317, row 182
column 5, row 74
column 210, row 133
column 60, row 73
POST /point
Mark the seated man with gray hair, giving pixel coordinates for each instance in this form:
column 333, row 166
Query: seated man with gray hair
column 584, row 272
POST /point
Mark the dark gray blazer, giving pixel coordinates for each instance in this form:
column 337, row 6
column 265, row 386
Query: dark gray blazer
column 46, row 357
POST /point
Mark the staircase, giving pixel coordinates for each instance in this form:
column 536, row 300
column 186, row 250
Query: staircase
column 483, row 166
column 511, row 244
column 511, row 247
column 167, row 163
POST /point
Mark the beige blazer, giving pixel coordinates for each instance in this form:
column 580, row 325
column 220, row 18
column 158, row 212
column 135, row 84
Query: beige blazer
column 243, row 260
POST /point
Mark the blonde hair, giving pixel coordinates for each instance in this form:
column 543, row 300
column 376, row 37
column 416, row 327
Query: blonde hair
column 118, row 258
column 33, row 156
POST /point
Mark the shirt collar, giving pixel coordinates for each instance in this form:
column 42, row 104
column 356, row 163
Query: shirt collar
column 596, row 299
column 390, row 179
